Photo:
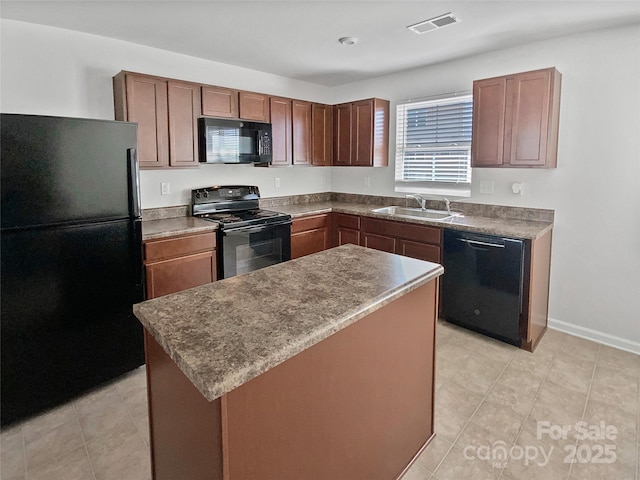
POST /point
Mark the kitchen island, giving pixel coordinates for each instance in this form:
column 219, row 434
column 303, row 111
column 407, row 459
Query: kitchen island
column 316, row 368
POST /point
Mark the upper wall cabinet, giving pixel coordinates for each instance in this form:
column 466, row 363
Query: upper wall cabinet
column 515, row 120
column 184, row 110
column 280, row 130
column 143, row 99
column 166, row 112
column 361, row 133
column 321, row 134
column 254, row 106
column 301, row 132
column 219, row 102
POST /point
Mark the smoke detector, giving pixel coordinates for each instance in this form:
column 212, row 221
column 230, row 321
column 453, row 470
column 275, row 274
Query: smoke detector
column 348, row 40
column 433, row 23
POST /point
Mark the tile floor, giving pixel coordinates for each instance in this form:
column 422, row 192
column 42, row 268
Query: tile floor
column 489, row 399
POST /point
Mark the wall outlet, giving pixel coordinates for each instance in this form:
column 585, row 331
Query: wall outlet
column 165, row 188
column 367, row 182
column 276, row 182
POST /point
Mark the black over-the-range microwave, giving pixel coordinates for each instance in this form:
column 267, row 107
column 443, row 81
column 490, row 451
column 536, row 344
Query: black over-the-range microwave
column 222, row 140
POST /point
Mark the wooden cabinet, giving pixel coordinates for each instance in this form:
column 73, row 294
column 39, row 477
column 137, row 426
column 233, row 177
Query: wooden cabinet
column 515, row 120
column 342, row 134
column 219, row 102
column 346, row 229
column 321, row 134
column 411, row 240
column 281, row 124
column 304, row 133
column 143, row 99
column 361, row 133
column 301, row 132
column 166, row 112
column 177, row 263
column 254, row 106
column 184, row 110
column 309, row 235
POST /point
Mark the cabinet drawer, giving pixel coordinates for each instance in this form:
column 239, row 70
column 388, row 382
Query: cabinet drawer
column 347, row 221
column 421, row 251
column 420, row 233
column 309, row 223
column 155, row 250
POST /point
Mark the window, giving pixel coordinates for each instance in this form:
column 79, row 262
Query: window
column 433, row 146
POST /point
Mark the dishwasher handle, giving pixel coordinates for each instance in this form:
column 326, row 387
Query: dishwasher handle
column 479, row 243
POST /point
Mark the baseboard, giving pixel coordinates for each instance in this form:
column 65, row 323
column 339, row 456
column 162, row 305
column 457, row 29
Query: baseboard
column 595, row 335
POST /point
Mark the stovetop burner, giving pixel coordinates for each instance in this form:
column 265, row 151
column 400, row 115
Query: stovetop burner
column 233, row 207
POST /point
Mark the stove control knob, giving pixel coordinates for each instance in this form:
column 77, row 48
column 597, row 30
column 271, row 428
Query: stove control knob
column 197, row 194
column 205, row 194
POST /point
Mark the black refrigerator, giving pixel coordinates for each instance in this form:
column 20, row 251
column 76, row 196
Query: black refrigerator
column 71, row 259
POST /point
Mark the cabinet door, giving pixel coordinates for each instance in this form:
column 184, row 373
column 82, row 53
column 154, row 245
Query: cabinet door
column 281, row 130
column 379, row 242
column 362, row 133
column 487, row 144
column 527, row 121
column 180, row 273
column 321, row 134
column 219, row 102
column 254, row 106
column 347, row 235
column 184, row 110
column 342, row 134
column 146, row 104
column 345, row 229
column 301, row 132
column 421, row 251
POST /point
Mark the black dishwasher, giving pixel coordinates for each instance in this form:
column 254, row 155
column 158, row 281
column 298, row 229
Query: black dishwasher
column 482, row 283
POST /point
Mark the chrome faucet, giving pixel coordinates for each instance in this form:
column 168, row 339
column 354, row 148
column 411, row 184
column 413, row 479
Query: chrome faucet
column 447, row 204
column 421, row 200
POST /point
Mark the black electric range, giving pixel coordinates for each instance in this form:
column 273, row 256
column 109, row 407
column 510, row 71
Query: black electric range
column 249, row 238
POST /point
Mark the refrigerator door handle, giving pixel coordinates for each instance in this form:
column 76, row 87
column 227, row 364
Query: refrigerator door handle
column 134, row 182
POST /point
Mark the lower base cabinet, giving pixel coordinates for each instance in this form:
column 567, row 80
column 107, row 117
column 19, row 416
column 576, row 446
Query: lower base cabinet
column 411, row 240
column 178, row 263
column 346, row 229
column 310, row 235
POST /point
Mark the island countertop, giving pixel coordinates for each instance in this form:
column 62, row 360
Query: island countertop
column 223, row 334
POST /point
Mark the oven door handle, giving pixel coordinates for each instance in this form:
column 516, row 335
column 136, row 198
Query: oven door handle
column 259, row 228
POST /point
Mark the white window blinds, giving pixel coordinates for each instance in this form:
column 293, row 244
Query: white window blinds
column 433, row 146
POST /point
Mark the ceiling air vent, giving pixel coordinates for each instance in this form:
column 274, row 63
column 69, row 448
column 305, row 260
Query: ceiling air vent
column 433, row 23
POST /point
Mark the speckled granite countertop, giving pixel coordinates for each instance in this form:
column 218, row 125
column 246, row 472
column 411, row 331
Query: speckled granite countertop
column 225, row 333
column 169, row 227
column 506, row 227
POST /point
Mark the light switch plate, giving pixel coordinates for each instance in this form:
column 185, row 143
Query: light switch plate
column 165, row 188
column 276, row 182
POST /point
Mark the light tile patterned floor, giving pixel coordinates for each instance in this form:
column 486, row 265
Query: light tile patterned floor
column 489, row 395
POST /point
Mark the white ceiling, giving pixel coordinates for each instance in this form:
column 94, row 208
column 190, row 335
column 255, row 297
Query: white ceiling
column 298, row 39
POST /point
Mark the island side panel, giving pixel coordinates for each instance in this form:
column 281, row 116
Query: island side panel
column 185, row 429
column 538, row 294
column 358, row 405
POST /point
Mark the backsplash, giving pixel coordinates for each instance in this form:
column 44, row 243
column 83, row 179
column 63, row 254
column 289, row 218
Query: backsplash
column 163, row 213
column 472, row 209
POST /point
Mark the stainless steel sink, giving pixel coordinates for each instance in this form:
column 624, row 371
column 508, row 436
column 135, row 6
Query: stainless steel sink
column 416, row 213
